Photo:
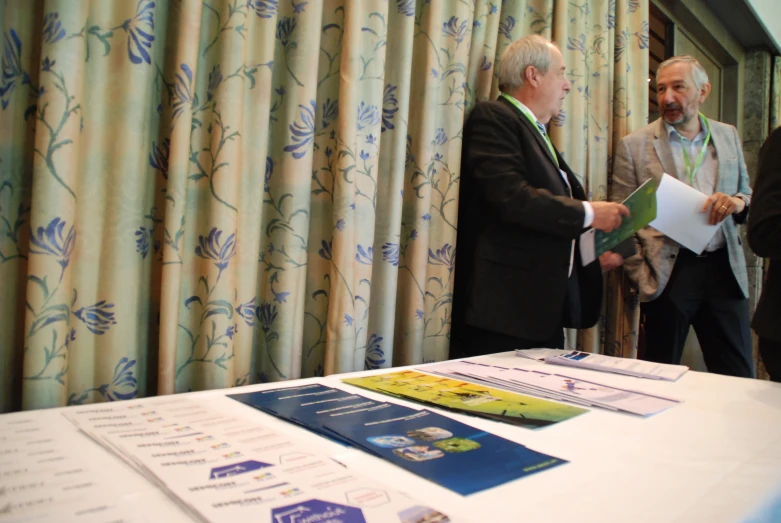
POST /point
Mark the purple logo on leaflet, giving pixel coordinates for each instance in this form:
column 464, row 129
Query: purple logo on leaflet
column 316, row 511
column 237, row 468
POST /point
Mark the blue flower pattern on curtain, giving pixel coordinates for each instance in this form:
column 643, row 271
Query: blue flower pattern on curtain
column 278, row 231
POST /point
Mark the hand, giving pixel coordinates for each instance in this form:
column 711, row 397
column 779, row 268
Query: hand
column 721, row 206
column 607, row 215
column 610, row 260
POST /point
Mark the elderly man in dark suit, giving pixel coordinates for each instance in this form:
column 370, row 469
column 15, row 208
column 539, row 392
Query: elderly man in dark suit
column 519, row 279
column 764, row 238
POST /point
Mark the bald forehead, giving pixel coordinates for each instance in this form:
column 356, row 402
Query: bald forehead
column 557, row 59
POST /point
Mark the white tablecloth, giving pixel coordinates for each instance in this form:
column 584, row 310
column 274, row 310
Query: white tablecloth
column 716, row 457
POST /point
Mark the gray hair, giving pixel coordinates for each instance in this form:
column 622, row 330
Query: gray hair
column 531, row 50
column 698, row 71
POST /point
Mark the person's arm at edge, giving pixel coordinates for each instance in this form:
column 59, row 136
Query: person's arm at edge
column 744, row 186
column 764, row 220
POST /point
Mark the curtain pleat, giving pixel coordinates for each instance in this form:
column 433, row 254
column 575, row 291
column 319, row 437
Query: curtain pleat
column 207, row 194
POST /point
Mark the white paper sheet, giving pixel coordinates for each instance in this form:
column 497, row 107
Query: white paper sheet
column 218, row 467
column 44, row 477
column 587, row 248
column 540, row 354
column 557, row 386
column 628, row 366
column 678, row 214
column 585, row 360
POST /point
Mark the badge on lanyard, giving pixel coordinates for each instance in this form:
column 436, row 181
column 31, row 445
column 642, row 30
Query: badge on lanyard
column 691, row 171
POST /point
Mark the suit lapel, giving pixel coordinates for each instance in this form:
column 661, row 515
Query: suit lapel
column 540, row 140
column 663, row 151
column 533, row 128
column 723, row 151
column 556, row 178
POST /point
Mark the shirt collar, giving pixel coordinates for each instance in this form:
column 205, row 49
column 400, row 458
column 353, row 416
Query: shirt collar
column 523, row 108
column 672, row 132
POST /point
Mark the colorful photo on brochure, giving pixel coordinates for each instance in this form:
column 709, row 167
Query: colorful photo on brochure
column 469, row 398
column 469, row 460
column 422, row 515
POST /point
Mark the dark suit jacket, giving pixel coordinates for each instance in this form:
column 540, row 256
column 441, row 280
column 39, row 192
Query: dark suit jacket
column 516, row 224
column 764, row 235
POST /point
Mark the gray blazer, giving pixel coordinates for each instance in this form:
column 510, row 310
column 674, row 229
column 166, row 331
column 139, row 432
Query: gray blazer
column 645, row 154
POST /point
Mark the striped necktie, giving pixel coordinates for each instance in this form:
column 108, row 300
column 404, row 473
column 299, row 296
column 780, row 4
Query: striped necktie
column 550, row 145
column 547, row 141
column 566, row 182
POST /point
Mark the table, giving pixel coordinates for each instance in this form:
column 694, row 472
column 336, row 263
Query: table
column 716, row 457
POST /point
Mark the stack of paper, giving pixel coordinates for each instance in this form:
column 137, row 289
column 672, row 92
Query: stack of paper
column 586, row 360
column 680, row 215
column 452, row 454
column 555, row 386
column 468, row 398
column 674, row 208
column 221, row 468
column 44, row 476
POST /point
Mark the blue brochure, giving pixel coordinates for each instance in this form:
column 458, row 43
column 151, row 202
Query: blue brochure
column 294, row 402
column 312, row 405
column 452, row 454
column 264, row 399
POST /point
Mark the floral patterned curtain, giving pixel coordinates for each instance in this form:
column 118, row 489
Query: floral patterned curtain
column 607, row 50
column 201, row 194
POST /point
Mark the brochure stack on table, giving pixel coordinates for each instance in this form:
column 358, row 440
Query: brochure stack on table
column 221, row 468
column 587, row 360
column 454, row 455
column 49, row 473
column 559, row 387
column 204, row 456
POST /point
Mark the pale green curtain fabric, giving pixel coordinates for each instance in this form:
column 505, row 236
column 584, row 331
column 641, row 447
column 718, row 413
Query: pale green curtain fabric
column 200, row 194
column 607, row 56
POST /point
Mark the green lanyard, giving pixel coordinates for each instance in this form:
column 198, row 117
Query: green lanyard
column 689, row 169
column 533, row 120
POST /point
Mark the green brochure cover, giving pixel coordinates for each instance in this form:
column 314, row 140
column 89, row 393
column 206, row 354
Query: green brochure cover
column 469, row 398
column 642, row 211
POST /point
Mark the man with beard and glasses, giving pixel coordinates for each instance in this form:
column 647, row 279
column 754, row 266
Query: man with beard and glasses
column 678, row 288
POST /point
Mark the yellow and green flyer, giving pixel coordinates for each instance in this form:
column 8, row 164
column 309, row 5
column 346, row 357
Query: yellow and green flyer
column 469, row 398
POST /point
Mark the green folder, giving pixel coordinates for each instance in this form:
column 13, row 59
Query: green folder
column 642, row 211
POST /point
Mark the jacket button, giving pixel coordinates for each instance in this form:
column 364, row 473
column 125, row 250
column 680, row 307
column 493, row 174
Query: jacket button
column 672, row 256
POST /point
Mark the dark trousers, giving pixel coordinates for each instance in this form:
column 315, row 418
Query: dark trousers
column 477, row 342
column 702, row 293
column 771, row 356
column 474, row 341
